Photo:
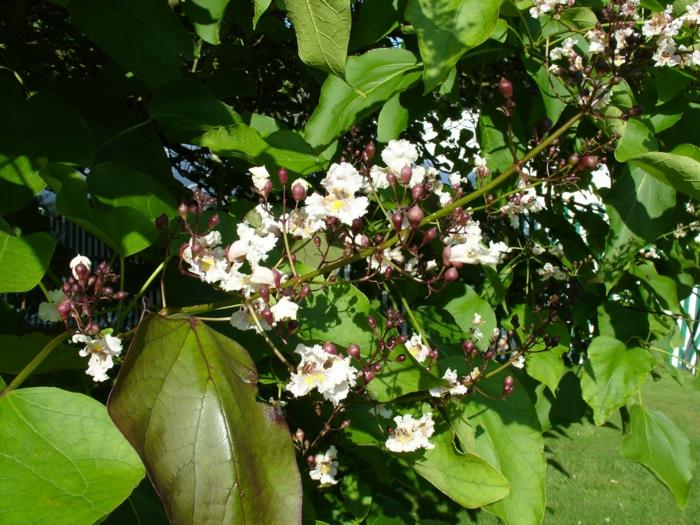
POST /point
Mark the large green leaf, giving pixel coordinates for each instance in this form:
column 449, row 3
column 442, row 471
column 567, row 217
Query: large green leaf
column 143, row 37
column 323, row 32
column 282, row 148
column 464, row 477
column 678, row 169
column 187, row 109
column 547, row 366
column 372, row 22
column 16, row 351
column 19, row 182
column 371, row 79
column 206, row 17
column 339, row 314
column 186, row 400
column 637, row 138
column 116, row 185
column 507, row 435
column 640, row 209
column 259, row 8
column 398, row 379
column 552, row 90
column 44, row 126
column 613, row 374
column 24, row 260
column 126, row 230
column 62, row 461
column 658, row 444
column 447, row 29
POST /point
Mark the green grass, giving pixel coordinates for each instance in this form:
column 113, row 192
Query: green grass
column 589, row 482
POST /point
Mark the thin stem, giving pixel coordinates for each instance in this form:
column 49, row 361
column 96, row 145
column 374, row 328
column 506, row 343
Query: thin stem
column 45, row 290
column 262, row 332
column 122, row 279
column 34, row 363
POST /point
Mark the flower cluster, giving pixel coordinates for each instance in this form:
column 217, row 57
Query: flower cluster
column 550, row 7
column 410, row 434
column 465, row 245
column 330, row 374
column 674, row 45
column 325, row 467
column 101, row 349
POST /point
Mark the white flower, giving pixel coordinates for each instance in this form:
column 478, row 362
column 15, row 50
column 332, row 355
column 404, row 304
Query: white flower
column 477, row 324
column 538, row 249
column 251, row 245
column 299, row 223
column 268, row 223
column 260, row 177
column 346, row 208
column 48, row 311
column 101, row 349
column 453, row 387
column 456, row 179
column 79, row 259
column 325, row 467
column 473, row 252
column 332, row 375
column 384, row 262
column 378, row 179
column 519, row 362
column 398, row 154
column 342, row 179
column 284, row 310
column 243, row 320
column 665, row 54
column 411, row 434
column 417, row 349
column 597, row 41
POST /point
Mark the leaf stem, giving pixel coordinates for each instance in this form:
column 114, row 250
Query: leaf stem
column 34, row 363
column 124, row 132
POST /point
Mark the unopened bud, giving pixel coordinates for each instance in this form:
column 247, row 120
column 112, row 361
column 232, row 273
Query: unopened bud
column 299, row 435
column 267, row 188
column 587, row 163
column 182, row 210
column 417, row 192
column 406, row 174
column 370, row 150
column 415, row 216
column 330, row 348
column 430, row 235
column 267, row 315
column 276, row 277
column 298, row 192
column 391, row 179
column 446, row 254
column 397, row 220
column 283, row 176
column 506, row 88
column 213, row 222
column 162, row 221
column 354, row 351
column 345, row 424
column 400, row 358
column 451, row 275
column 265, row 293
column 196, row 249
column 368, row 375
column 64, row 308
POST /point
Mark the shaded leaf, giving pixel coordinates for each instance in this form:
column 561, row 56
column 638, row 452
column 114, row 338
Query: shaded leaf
column 44, row 126
column 186, row 400
column 126, row 230
column 658, row 444
column 613, row 374
column 19, row 183
column 637, row 138
column 16, row 351
column 393, row 119
column 447, row 29
column 323, row 32
column 206, row 16
column 63, row 461
column 24, row 260
column 259, row 6
column 143, row 37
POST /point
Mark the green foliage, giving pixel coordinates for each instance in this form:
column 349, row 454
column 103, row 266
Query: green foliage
column 24, row 260
column 87, row 470
column 658, row 444
column 181, row 366
column 614, row 374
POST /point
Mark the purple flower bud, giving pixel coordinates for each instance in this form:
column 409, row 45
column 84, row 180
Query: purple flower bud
column 304, row 292
column 330, row 348
column 370, row 150
column 213, row 222
column 400, row 358
column 267, row 188
column 415, row 216
column 417, row 192
column 391, row 178
column 162, row 222
column 283, row 176
column 397, row 220
column 298, row 192
column 506, row 88
column 276, row 277
column 451, row 275
column 64, row 308
column 354, row 351
column 406, row 174
column 267, row 315
column 429, row 235
column 183, row 210
column 121, row 294
column 196, row 249
column 265, row 293
column 368, row 375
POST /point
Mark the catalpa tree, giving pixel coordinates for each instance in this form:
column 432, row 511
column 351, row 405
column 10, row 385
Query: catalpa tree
column 336, row 261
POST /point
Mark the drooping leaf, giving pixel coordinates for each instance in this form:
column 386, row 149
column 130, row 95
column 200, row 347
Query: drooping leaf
column 19, row 183
column 463, row 477
column 126, row 230
column 447, row 29
column 507, row 435
column 658, row 444
column 371, row 79
column 117, row 185
column 206, row 17
column 16, row 351
column 676, row 169
column 374, row 20
column 393, row 119
column 640, row 209
column 44, row 126
column 186, row 400
column 323, row 32
column 24, row 260
column 143, row 37
column 552, row 90
column 613, row 374
column 62, row 460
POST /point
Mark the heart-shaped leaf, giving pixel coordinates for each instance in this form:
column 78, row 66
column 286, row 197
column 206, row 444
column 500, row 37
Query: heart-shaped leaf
column 62, row 461
column 24, row 260
column 186, row 399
